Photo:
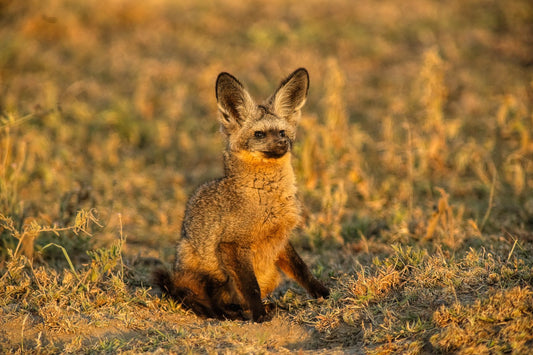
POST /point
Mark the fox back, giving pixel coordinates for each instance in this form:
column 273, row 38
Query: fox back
column 235, row 232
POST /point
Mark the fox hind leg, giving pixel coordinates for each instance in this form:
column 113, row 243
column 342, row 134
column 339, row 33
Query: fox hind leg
column 225, row 300
column 200, row 293
column 293, row 266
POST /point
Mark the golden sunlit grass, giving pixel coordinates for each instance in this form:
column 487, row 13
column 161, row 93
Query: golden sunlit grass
column 414, row 161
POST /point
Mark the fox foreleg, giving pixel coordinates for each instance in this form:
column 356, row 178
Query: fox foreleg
column 238, row 261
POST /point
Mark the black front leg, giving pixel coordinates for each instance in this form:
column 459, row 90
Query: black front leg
column 290, row 262
column 238, row 261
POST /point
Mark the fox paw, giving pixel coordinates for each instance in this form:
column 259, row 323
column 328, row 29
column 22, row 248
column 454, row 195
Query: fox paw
column 319, row 290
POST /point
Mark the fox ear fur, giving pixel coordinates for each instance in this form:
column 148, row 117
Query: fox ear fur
column 234, row 102
column 291, row 95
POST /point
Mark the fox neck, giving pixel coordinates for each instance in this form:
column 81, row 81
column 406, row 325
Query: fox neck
column 259, row 172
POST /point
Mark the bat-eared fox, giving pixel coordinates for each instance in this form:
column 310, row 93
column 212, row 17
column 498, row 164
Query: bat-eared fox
column 235, row 234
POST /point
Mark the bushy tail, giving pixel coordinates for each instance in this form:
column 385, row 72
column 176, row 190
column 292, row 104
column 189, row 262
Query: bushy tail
column 162, row 277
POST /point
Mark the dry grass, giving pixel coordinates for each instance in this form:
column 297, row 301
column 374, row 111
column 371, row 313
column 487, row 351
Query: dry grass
column 414, row 160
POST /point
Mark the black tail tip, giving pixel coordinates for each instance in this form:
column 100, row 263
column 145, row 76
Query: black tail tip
column 162, row 278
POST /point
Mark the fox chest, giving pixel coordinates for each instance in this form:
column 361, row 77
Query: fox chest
column 270, row 236
column 275, row 213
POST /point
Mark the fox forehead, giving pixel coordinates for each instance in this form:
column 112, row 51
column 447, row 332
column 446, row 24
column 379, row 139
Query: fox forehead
column 268, row 122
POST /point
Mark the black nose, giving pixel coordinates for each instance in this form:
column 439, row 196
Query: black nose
column 281, row 142
column 278, row 148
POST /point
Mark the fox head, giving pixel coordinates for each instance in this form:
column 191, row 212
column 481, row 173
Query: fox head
column 267, row 130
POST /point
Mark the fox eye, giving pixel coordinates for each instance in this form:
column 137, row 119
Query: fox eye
column 282, row 133
column 259, row 134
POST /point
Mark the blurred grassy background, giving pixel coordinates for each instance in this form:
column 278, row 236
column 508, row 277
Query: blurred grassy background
column 414, row 163
column 417, row 128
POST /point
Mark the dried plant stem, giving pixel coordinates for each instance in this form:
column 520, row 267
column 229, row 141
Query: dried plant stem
column 491, row 200
column 410, row 167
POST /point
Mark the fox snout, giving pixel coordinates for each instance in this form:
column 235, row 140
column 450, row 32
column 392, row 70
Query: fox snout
column 278, row 148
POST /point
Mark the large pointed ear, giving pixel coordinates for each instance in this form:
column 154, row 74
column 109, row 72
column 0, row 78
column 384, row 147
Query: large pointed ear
column 234, row 102
column 291, row 95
